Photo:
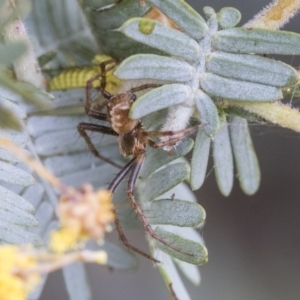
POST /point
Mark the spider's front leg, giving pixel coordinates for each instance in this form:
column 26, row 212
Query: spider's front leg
column 112, row 187
column 89, row 86
column 83, row 127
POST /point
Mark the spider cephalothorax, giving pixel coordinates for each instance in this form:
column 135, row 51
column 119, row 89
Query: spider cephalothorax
column 118, row 108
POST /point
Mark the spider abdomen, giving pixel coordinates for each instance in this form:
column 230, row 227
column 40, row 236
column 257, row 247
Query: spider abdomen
column 117, row 110
column 131, row 144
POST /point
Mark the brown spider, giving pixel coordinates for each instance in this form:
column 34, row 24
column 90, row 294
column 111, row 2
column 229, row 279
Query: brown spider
column 133, row 139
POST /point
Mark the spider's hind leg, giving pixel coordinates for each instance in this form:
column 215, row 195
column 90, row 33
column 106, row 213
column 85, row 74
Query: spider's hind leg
column 112, row 187
column 126, row 243
column 136, row 167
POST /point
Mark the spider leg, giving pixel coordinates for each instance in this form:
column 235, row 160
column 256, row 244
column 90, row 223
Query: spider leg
column 112, row 187
column 103, row 76
column 144, row 87
column 120, row 176
column 98, row 115
column 127, row 244
column 83, row 127
column 175, row 136
column 89, row 85
column 135, row 170
column 88, row 89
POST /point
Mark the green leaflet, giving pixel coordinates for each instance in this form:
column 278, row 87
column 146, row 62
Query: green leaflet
column 191, row 272
column 163, row 180
column 11, row 198
column 164, row 38
column 68, row 164
column 244, row 154
column 117, row 45
column 208, row 113
column 8, row 156
column 118, row 257
column 199, row 160
column 12, row 174
column 183, row 15
column 257, row 40
column 19, row 138
column 46, row 58
column 44, row 214
column 14, row 234
column 151, row 66
column 18, row 111
column 228, row 17
column 61, row 26
column 175, row 212
column 118, row 14
column 223, row 160
column 252, row 68
column 14, row 215
column 8, row 119
column 170, row 275
column 105, row 23
column 10, row 52
column 157, row 158
column 29, row 92
column 91, row 176
column 96, row 4
column 191, row 252
column 238, row 90
column 53, row 143
column 77, row 282
column 159, row 98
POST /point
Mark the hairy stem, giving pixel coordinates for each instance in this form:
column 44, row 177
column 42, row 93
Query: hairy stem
column 275, row 15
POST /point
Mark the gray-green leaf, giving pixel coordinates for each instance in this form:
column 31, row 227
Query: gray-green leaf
column 151, row 66
column 170, row 275
column 175, row 212
column 118, row 258
column 252, row 68
column 208, row 113
column 8, row 119
column 257, row 40
column 15, row 234
column 118, row 14
column 189, row 251
column 199, row 160
column 244, row 154
column 162, row 37
column 77, row 282
column 223, row 160
column 13, row 199
column 228, row 17
column 163, row 180
column 157, row 158
column 12, row 174
column 183, row 15
column 238, row 90
column 10, row 52
column 159, row 98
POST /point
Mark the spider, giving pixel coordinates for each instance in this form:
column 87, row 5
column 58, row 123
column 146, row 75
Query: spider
column 133, row 139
